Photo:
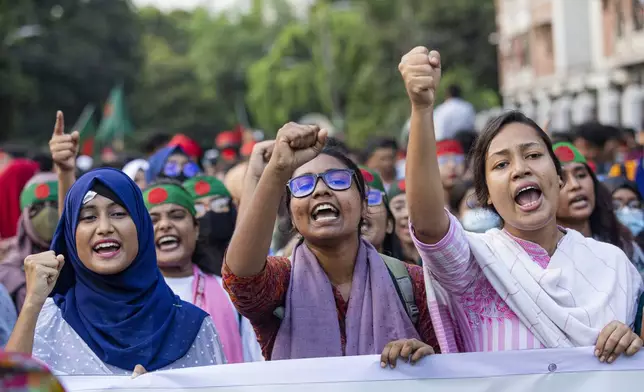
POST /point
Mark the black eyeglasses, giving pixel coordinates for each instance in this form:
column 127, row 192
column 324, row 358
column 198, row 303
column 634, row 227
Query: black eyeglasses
column 336, row 179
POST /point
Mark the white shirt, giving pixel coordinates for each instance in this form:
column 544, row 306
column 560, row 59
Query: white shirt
column 66, row 353
column 182, row 287
column 452, row 116
column 252, row 350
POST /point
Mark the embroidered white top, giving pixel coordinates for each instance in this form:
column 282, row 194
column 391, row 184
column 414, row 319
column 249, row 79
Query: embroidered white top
column 65, row 353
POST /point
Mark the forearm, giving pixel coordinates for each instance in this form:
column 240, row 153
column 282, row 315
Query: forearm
column 65, row 181
column 22, row 337
column 425, row 195
column 248, row 190
column 249, row 246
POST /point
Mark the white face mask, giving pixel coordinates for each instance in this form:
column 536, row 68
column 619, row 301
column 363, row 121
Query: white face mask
column 480, row 220
column 632, row 218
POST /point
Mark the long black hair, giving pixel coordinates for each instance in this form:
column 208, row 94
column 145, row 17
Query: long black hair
column 391, row 245
column 604, row 225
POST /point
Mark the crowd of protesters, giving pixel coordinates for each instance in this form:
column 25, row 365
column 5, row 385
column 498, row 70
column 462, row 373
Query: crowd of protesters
column 506, row 238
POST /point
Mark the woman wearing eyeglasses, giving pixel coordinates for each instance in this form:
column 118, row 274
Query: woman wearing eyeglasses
column 378, row 223
column 334, row 296
column 171, row 162
column 186, row 265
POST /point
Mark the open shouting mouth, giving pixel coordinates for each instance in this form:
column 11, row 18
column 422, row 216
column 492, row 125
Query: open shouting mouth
column 528, row 196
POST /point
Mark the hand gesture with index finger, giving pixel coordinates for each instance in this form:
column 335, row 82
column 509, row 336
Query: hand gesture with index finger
column 63, row 147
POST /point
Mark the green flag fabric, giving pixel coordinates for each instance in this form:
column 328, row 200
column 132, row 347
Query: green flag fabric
column 116, row 122
column 86, row 126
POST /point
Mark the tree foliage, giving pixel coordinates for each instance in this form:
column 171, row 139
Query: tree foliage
column 199, row 73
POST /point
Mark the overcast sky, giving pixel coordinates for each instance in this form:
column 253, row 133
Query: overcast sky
column 215, row 5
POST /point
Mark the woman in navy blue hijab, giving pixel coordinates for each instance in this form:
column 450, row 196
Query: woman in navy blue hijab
column 110, row 309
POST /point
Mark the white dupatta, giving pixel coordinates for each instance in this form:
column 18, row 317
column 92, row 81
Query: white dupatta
column 587, row 285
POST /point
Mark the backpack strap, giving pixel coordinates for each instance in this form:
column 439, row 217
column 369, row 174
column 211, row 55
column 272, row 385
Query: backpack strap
column 403, row 284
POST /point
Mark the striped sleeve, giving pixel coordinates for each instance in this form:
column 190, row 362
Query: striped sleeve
column 450, row 260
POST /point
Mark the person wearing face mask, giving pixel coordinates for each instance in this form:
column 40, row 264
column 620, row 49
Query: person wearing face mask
column 171, row 162
column 216, row 214
column 186, row 267
column 627, row 202
column 473, row 217
column 586, row 205
column 36, row 226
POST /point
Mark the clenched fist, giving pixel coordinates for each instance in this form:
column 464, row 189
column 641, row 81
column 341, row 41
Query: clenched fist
column 63, row 147
column 295, row 145
column 260, row 157
column 41, row 272
column 421, row 71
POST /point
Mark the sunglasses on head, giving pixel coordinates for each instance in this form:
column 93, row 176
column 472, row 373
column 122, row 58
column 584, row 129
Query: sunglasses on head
column 189, row 170
column 375, row 197
column 335, row 179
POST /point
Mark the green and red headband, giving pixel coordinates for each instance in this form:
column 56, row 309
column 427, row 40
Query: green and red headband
column 39, row 192
column 567, row 153
column 205, row 186
column 397, row 188
column 372, row 179
column 169, row 194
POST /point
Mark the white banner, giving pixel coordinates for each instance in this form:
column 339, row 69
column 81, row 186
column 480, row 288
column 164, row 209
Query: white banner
column 569, row 370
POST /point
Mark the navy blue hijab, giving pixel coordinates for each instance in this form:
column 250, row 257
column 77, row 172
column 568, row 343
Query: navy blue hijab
column 130, row 318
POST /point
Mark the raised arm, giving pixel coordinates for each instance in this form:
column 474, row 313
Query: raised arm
column 256, row 165
column 295, row 145
column 421, row 71
column 41, row 271
column 64, row 148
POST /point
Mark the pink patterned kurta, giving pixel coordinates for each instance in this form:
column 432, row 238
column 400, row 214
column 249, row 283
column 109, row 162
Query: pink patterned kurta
column 495, row 327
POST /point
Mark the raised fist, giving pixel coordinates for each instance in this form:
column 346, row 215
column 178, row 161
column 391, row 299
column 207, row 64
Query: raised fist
column 421, row 71
column 297, row 144
column 259, row 158
column 41, row 272
column 63, row 147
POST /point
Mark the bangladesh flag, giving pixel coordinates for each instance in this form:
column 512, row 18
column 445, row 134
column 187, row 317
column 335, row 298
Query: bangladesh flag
column 116, row 122
column 87, row 128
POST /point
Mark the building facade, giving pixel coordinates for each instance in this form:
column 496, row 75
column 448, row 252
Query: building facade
column 571, row 61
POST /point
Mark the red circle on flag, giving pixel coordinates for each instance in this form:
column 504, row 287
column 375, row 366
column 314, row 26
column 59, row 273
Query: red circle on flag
column 565, row 154
column 368, row 177
column 157, row 195
column 42, row 191
column 202, row 188
column 402, row 186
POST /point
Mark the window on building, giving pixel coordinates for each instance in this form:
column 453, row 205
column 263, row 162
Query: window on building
column 638, row 14
column 620, row 20
column 544, row 35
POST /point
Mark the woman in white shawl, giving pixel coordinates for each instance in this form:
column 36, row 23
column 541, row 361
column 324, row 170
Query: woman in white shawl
column 530, row 284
